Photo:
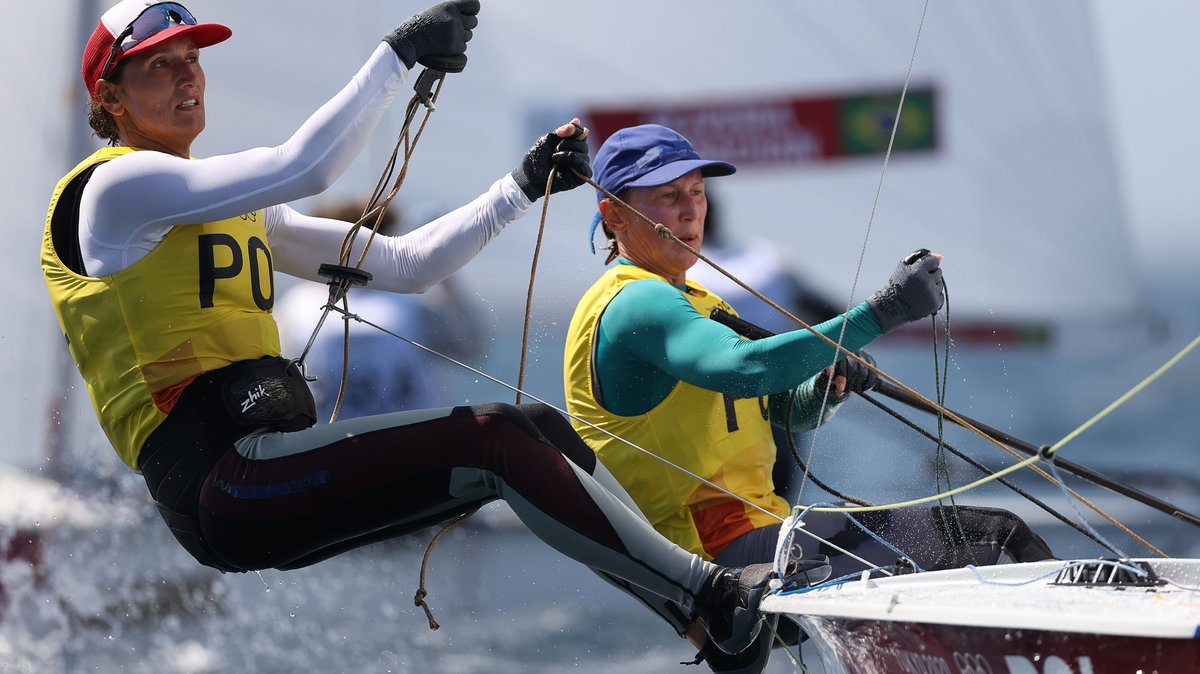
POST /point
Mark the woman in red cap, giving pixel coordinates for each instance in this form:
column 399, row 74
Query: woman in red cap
column 160, row 268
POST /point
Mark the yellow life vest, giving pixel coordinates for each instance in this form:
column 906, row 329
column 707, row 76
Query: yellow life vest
column 722, row 439
column 199, row 301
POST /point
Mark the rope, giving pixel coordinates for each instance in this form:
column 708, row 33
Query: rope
column 941, row 463
column 375, row 209
column 1045, row 455
column 796, row 657
column 981, row 468
column 537, row 251
column 1078, row 514
column 1048, row 454
column 935, row 497
column 1129, row 394
column 994, row 476
column 791, row 441
column 419, row 597
column 428, row 87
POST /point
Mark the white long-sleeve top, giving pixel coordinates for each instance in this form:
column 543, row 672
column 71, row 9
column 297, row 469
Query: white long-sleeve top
column 132, row 202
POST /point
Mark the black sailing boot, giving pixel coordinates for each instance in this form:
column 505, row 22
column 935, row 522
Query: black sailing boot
column 728, row 605
column 752, row 660
column 802, row 572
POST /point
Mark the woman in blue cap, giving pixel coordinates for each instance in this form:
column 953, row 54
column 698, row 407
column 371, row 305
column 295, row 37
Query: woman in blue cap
column 160, row 269
column 644, row 365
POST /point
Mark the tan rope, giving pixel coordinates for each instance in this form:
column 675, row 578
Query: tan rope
column 537, row 250
column 419, row 597
column 409, row 148
column 337, row 403
column 376, row 214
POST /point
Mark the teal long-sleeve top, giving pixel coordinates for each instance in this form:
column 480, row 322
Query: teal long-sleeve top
column 650, row 337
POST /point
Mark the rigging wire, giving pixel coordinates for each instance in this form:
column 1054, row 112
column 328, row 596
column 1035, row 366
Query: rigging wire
column 887, row 156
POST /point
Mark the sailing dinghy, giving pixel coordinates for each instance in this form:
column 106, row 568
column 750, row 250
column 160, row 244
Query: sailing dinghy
column 1083, row 616
column 1052, row 617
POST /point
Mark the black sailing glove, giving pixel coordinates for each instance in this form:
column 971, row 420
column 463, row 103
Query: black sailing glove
column 436, row 38
column 859, row 377
column 569, row 155
column 913, row 292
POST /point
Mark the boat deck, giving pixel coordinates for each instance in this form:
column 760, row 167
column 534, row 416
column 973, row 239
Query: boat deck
column 1019, row 596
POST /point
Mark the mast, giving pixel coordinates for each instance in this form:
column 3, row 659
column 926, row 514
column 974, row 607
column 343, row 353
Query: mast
column 79, row 145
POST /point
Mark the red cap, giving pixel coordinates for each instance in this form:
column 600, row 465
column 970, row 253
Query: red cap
column 118, row 18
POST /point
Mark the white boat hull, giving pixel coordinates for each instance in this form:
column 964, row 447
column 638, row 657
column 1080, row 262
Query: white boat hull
column 1010, row 618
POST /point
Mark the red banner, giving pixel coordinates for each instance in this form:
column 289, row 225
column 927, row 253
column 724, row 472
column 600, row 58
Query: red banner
column 773, row 131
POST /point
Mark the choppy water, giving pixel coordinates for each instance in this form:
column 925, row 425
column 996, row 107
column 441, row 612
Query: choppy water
column 505, row 603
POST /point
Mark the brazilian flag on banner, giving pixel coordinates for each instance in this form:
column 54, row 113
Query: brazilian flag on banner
column 865, row 122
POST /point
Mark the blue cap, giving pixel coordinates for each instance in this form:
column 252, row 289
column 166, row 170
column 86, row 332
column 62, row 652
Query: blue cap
column 648, row 155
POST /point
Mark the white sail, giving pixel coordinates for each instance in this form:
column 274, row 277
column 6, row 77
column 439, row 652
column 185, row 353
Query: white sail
column 1020, row 192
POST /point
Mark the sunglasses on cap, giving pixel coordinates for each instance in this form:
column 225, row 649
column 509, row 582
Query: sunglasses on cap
column 153, row 19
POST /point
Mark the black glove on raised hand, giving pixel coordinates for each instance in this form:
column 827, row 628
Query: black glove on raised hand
column 569, row 155
column 913, row 292
column 859, row 377
column 436, row 38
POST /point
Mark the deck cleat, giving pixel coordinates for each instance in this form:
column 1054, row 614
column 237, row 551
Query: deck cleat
column 806, row 572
